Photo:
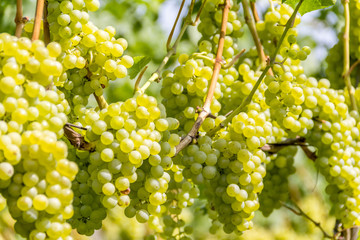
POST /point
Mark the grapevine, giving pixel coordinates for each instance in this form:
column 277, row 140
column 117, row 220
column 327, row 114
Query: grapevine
column 223, row 135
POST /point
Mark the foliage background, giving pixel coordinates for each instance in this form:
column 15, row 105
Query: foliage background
column 146, row 24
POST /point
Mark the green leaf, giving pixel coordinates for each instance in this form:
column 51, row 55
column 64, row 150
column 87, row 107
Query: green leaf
column 139, row 63
column 310, row 5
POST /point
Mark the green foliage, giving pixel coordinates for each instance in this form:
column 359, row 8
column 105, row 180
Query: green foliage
column 310, row 5
column 139, row 63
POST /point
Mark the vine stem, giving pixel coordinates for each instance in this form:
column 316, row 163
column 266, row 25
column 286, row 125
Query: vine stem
column 352, row 68
column 19, row 18
column 170, row 50
column 346, row 38
column 270, row 63
column 298, row 211
column 251, row 24
column 216, row 70
column 101, row 101
column 136, row 87
column 38, row 18
column 46, row 25
column 254, row 11
column 174, row 26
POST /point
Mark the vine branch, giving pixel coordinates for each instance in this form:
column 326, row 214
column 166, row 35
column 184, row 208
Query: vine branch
column 216, row 70
column 136, row 88
column 46, row 25
column 19, row 18
column 298, row 211
column 37, row 20
column 353, row 66
column 270, row 63
column 174, row 26
column 101, row 101
column 346, row 38
column 254, row 11
column 251, row 24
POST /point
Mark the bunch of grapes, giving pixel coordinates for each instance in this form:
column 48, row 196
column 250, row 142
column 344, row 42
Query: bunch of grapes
column 124, row 154
column 184, row 89
column 92, row 57
column 271, row 28
column 276, row 185
column 88, row 209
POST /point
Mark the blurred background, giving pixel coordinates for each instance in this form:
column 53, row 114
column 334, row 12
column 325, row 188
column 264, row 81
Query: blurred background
column 146, row 25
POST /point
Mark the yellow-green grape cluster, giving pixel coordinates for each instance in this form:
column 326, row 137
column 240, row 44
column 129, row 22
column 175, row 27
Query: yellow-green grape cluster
column 133, row 148
column 88, row 209
column 271, row 28
column 233, row 194
column 68, row 18
column 95, row 60
column 276, row 187
column 209, row 27
column 185, row 89
column 23, row 60
column 39, row 194
column 91, row 58
column 336, row 136
column 33, row 164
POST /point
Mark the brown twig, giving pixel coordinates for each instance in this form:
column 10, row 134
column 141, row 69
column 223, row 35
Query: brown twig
column 353, row 66
column 46, row 25
column 254, row 11
column 19, row 18
column 216, row 70
column 234, row 60
column 37, row 20
column 168, row 47
column 298, row 141
column 348, row 233
column 136, row 87
column 251, row 24
column 198, row 14
column 298, row 211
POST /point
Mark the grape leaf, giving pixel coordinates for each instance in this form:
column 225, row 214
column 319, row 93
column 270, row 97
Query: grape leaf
column 310, row 5
column 139, row 63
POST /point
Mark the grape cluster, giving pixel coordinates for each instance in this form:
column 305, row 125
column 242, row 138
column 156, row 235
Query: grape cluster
column 271, row 28
column 69, row 18
column 337, row 139
column 133, row 150
column 126, row 155
column 276, row 186
column 88, row 209
column 35, row 174
column 92, row 57
column 184, row 89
